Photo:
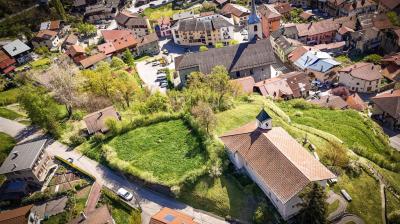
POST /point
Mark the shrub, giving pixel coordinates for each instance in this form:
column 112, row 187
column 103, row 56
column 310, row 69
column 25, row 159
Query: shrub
column 302, row 105
column 394, row 217
column 77, row 115
column 272, row 106
column 76, row 140
column 98, row 138
column 113, row 125
column 298, row 114
column 261, row 214
column 353, row 169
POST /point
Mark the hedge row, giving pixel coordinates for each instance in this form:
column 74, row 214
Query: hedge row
column 322, row 134
column 278, row 111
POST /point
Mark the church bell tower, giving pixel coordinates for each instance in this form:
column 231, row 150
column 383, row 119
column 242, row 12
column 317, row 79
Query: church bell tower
column 254, row 27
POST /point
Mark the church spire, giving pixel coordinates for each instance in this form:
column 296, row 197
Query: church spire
column 253, row 18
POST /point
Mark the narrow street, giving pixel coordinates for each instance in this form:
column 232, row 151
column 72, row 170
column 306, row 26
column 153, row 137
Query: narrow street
column 149, row 201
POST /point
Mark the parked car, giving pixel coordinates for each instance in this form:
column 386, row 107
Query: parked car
column 160, row 71
column 124, row 194
column 164, row 85
column 165, row 51
column 346, row 195
column 156, row 63
column 70, row 160
column 140, row 10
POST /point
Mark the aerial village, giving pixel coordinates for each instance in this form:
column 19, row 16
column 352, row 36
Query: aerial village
column 200, row 111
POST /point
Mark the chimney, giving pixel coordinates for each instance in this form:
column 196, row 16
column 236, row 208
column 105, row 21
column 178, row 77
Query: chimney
column 372, row 68
column 391, row 91
column 327, row 99
column 15, row 48
column 14, row 166
column 310, row 25
column 100, row 114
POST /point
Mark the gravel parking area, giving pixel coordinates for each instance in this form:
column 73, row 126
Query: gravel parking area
column 148, row 73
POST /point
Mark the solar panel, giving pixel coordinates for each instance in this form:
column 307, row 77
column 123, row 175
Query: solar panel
column 169, row 217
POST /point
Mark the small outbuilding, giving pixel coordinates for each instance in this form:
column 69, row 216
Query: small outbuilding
column 96, row 122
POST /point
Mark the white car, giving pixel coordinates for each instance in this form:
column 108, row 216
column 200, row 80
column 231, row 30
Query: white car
column 124, row 194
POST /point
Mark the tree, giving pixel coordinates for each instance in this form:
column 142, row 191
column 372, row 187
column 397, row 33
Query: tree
column 99, row 81
column 40, row 108
column 314, row 206
column 43, row 50
column 394, row 18
column 125, row 86
column 219, row 45
column 60, row 9
column 204, row 116
column 155, row 103
column 64, row 85
column 128, row 58
column 373, row 58
column 117, row 63
column 203, row 48
column 86, row 29
column 219, row 83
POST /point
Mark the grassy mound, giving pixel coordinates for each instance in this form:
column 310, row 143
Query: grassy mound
column 165, row 152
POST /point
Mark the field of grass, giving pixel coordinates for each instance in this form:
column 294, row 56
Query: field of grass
column 9, row 96
column 41, row 63
column 167, row 151
column 355, row 130
column 392, row 203
column 9, row 114
column 332, row 207
column 365, row 193
column 6, row 144
column 157, row 13
column 223, row 196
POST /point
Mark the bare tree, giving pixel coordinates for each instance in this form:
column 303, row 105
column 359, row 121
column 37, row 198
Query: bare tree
column 205, row 116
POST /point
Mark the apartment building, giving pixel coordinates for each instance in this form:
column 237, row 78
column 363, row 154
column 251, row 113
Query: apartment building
column 207, row 30
column 140, row 26
column 270, row 19
column 361, row 77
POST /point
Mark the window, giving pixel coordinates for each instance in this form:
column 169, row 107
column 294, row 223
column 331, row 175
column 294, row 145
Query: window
column 255, row 28
column 358, row 83
column 237, row 74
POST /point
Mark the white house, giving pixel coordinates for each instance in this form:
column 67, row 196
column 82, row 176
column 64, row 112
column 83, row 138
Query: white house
column 361, row 77
column 47, row 38
column 275, row 161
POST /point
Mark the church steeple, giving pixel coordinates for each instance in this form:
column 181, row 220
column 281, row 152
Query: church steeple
column 254, row 27
column 253, row 18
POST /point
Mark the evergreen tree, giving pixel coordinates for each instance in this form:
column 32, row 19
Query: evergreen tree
column 128, row 58
column 314, row 206
column 60, row 9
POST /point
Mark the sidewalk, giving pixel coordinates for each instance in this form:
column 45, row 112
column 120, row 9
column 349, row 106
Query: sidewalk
column 93, row 198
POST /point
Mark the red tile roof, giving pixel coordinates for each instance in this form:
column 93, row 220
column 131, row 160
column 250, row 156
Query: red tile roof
column 89, row 61
column 282, row 164
column 46, row 34
column 362, row 70
column 235, row 10
column 355, row 102
column 246, row 84
column 170, row 216
column 111, row 35
column 15, row 216
column 4, row 64
column 389, row 102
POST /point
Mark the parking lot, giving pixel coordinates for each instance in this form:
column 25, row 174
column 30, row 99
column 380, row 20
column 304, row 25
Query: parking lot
column 148, row 73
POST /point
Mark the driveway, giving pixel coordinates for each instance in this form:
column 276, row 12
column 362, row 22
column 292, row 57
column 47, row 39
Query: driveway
column 149, row 201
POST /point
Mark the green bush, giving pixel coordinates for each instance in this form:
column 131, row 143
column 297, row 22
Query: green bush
column 394, row 217
column 77, row 115
column 76, row 140
column 98, row 138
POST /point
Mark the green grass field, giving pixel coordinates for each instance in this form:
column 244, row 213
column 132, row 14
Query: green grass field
column 223, row 196
column 6, row 144
column 167, row 150
column 9, row 96
column 9, row 114
column 157, row 13
column 365, row 193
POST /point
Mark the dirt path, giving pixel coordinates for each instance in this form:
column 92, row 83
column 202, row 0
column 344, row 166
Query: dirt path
column 332, row 197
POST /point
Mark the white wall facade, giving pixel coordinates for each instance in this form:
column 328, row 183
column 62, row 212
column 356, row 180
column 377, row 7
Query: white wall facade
column 359, row 85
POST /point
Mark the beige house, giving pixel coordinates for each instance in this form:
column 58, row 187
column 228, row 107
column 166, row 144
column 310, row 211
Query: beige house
column 238, row 13
column 361, row 77
column 275, row 161
column 140, row 26
column 207, row 30
column 47, row 38
column 27, row 162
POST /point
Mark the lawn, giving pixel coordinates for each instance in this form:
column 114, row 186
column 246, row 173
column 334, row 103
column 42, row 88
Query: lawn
column 157, row 13
column 392, row 203
column 332, row 207
column 223, row 196
column 365, row 193
column 9, row 114
column 167, row 151
column 41, row 63
column 354, row 129
column 9, row 96
column 6, row 144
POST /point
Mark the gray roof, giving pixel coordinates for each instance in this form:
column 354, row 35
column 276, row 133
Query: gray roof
column 22, row 156
column 16, row 47
column 182, row 15
column 234, row 58
column 285, row 45
column 196, row 24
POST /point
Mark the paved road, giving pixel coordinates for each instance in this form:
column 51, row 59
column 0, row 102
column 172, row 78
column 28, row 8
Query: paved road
column 332, row 197
column 149, row 201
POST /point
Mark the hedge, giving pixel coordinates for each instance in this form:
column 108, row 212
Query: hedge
column 272, row 106
column 325, row 135
column 76, row 168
